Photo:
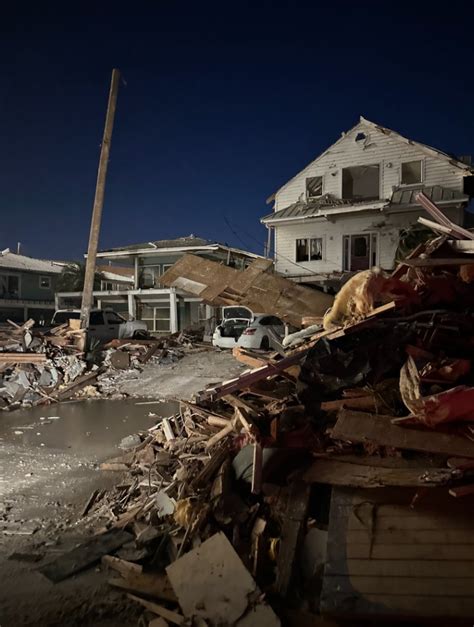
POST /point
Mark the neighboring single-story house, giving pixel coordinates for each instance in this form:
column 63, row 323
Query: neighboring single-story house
column 27, row 287
column 347, row 209
column 164, row 310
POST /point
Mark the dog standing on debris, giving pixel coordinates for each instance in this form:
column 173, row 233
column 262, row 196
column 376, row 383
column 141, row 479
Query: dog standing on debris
column 357, row 298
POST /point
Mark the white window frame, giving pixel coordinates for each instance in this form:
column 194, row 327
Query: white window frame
column 308, row 197
column 43, row 287
column 323, row 249
column 422, row 161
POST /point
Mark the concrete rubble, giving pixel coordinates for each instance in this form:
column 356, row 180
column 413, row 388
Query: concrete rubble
column 239, row 480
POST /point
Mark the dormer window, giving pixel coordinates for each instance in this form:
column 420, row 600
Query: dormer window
column 411, row 173
column 314, row 187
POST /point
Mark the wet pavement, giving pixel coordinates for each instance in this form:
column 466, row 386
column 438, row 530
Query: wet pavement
column 93, row 428
column 49, row 460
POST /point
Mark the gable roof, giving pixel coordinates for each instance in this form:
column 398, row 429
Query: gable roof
column 13, row 261
column 364, row 122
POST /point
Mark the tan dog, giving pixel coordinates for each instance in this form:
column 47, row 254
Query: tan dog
column 356, row 299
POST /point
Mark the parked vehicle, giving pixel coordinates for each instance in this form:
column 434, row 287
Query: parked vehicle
column 261, row 331
column 104, row 324
column 241, row 327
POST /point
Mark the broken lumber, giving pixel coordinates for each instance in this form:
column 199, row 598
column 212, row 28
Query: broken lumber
column 335, row 472
column 23, row 358
column 85, row 555
column 362, row 427
column 255, row 288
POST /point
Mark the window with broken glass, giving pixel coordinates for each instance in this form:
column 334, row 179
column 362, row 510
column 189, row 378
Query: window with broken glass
column 309, row 249
column 314, row 186
column 411, row 172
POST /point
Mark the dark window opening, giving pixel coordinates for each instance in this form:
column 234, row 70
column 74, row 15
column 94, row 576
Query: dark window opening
column 314, row 186
column 96, row 318
column 9, row 286
column 411, row 173
column 360, row 246
column 361, row 182
column 309, row 249
column 360, row 137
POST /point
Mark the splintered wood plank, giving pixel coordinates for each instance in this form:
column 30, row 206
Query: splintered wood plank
column 335, row 472
column 85, row 555
column 362, row 427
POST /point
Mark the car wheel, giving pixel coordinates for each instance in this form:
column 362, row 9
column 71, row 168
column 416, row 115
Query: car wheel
column 265, row 344
column 140, row 335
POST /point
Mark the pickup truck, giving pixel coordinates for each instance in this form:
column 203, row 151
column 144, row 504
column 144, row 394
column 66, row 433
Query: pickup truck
column 104, row 324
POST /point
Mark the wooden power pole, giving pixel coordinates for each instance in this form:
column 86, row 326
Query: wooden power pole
column 87, row 293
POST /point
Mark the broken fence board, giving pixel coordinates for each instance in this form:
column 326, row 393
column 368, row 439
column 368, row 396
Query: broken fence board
column 362, row 427
column 84, row 555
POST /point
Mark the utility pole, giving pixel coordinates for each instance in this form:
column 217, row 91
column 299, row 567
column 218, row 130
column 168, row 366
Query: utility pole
column 87, row 293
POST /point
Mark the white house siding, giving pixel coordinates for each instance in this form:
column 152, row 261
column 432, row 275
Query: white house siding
column 386, row 225
column 386, row 150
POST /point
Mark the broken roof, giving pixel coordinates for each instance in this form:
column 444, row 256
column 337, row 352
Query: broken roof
column 363, row 122
column 21, row 262
column 191, row 243
column 400, row 197
column 178, row 242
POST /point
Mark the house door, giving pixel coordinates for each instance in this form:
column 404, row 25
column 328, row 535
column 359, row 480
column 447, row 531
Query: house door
column 360, row 251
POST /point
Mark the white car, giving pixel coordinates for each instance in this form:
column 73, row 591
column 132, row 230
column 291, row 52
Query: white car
column 104, row 324
column 241, row 327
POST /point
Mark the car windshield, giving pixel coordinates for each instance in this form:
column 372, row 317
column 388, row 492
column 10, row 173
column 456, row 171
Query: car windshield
column 236, row 312
column 60, row 317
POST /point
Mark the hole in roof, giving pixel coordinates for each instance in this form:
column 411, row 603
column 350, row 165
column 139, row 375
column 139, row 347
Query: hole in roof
column 360, row 137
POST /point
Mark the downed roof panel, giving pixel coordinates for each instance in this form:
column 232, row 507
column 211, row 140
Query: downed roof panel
column 255, row 288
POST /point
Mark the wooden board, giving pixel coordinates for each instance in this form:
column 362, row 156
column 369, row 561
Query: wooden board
column 361, row 427
column 341, row 473
column 387, row 559
column 84, row 555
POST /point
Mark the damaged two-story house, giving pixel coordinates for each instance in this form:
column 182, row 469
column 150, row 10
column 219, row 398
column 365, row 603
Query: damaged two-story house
column 347, row 209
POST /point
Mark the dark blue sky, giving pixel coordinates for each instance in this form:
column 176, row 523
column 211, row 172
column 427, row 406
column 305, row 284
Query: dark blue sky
column 223, row 103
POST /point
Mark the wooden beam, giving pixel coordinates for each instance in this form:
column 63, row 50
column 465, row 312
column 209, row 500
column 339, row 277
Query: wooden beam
column 335, row 472
column 362, row 427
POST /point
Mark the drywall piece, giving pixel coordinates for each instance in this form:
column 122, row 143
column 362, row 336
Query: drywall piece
column 211, row 582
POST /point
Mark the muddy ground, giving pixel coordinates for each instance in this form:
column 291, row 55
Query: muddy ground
column 49, row 460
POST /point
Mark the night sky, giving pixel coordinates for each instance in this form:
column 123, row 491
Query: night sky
column 222, row 104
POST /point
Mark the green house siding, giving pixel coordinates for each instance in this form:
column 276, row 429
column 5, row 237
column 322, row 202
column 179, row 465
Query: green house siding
column 29, row 285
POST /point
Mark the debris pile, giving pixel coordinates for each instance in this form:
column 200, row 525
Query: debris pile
column 38, row 368
column 218, row 497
